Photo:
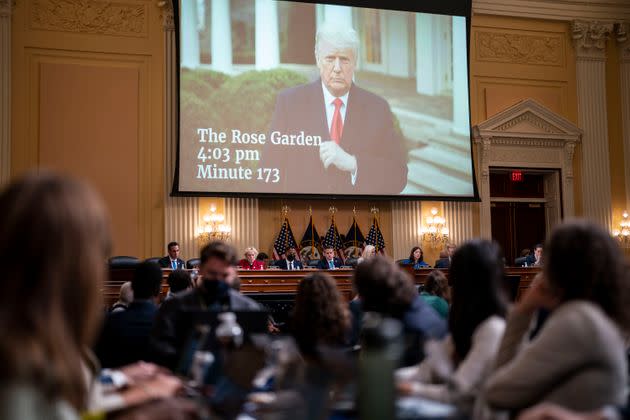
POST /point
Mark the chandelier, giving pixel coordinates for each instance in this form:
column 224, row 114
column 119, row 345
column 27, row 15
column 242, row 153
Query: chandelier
column 434, row 230
column 213, row 228
column 622, row 233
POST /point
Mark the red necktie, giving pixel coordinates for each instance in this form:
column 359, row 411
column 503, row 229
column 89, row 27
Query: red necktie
column 336, row 128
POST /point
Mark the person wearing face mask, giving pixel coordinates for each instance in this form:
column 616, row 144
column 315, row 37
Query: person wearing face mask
column 291, row 262
column 212, row 293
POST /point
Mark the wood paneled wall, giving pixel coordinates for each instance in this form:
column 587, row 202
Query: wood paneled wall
column 87, row 99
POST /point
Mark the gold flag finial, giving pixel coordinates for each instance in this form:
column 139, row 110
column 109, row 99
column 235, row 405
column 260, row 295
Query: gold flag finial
column 332, row 209
column 285, row 210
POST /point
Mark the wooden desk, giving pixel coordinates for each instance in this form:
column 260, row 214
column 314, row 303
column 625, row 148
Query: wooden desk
column 280, row 281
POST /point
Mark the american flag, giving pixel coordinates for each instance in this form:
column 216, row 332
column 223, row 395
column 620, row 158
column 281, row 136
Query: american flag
column 284, row 241
column 333, row 240
column 375, row 237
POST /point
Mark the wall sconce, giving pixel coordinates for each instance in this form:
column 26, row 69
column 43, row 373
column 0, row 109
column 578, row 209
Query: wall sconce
column 213, row 228
column 622, row 233
column 434, row 230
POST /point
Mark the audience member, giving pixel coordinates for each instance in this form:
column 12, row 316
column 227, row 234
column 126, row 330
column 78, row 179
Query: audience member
column 291, row 262
column 212, row 293
column 330, row 262
column 125, row 335
column 436, row 292
column 578, row 358
column 456, row 368
column 232, row 279
column 178, row 281
column 172, row 260
column 416, row 258
column 368, row 252
column 250, row 262
column 536, row 259
column 124, row 298
column 443, row 261
column 263, row 258
column 320, row 316
column 50, row 310
column 384, row 288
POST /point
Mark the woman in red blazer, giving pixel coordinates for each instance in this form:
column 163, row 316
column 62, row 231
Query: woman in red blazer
column 250, row 262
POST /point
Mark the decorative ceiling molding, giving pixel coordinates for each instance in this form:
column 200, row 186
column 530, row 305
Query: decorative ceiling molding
column 566, row 10
column 519, row 48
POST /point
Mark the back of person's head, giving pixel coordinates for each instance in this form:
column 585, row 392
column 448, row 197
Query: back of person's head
column 147, row 280
column 436, row 284
column 50, row 305
column 219, row 250
column 443, row 254
column 383, row 287
column 126, row 293
column 525, row 252
column 179, row 280
column 476, row 276
column 262, row 256
column 320, row 315
column 583, row 262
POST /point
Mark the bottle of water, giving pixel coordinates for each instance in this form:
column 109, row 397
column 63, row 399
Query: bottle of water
column 229, row 333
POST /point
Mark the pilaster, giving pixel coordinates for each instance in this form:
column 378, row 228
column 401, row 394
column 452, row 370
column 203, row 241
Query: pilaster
column 5, row 91
column 590, row 40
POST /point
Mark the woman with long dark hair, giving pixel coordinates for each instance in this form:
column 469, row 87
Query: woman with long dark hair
column 456, row 368
column 416, row 258
column 578, row 359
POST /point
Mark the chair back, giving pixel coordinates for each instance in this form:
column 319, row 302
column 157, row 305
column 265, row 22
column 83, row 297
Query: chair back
column 123, row 261
column 153, row 260
column 192, row 263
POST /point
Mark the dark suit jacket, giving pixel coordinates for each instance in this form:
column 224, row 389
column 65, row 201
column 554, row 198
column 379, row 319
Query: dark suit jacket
column 284, row 264
column 368, row 134
column 172, row 327
column 323, row 264
column 125, row 335
column 442, row 263
column 165, row 262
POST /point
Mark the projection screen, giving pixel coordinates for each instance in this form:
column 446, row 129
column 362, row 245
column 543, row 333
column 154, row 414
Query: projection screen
column 286, row 98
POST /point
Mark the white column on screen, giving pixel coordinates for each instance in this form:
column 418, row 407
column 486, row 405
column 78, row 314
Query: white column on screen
column 461, row 120
column 459, row 221
column 590, row 45
column 221, row 35
column 406, row 226
column 397, row 48
column 189, row 35
column 180, row 213
column 338, row 14
column 267, row 41
column 5, row 91
column 623, row 39
column 242, row 215
column 425, row 71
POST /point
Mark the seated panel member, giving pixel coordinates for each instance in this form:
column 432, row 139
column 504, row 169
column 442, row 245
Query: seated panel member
column 356, row 137
column 172, row 260
column 416, row 258
column 330, row 262
column 250, row 262
column 291, row 262
column 535, row 260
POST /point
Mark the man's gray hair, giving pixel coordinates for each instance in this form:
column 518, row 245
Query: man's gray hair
column 338, row 35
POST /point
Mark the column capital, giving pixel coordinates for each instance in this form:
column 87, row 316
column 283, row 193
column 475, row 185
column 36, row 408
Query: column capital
column 168, row 16
column 589, row 39
column 623, row 40
column 5, row 8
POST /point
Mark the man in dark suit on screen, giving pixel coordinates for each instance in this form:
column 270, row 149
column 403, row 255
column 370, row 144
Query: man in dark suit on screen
column 355, row 147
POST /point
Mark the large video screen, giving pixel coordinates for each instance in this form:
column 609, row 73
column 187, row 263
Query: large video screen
column 283, row 97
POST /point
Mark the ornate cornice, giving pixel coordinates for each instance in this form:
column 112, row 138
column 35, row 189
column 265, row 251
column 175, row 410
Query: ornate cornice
column 519, row 48
column 590, row 38
column 89, row 16
column 5, row 8
column 168, row 16
column 562, row 10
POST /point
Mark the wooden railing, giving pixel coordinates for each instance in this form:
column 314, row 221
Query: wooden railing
column 279, row 281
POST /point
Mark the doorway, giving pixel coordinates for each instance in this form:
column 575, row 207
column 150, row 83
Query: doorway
column 524, row 206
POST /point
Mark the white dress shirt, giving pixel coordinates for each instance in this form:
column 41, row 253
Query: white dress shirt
column 330, row 112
